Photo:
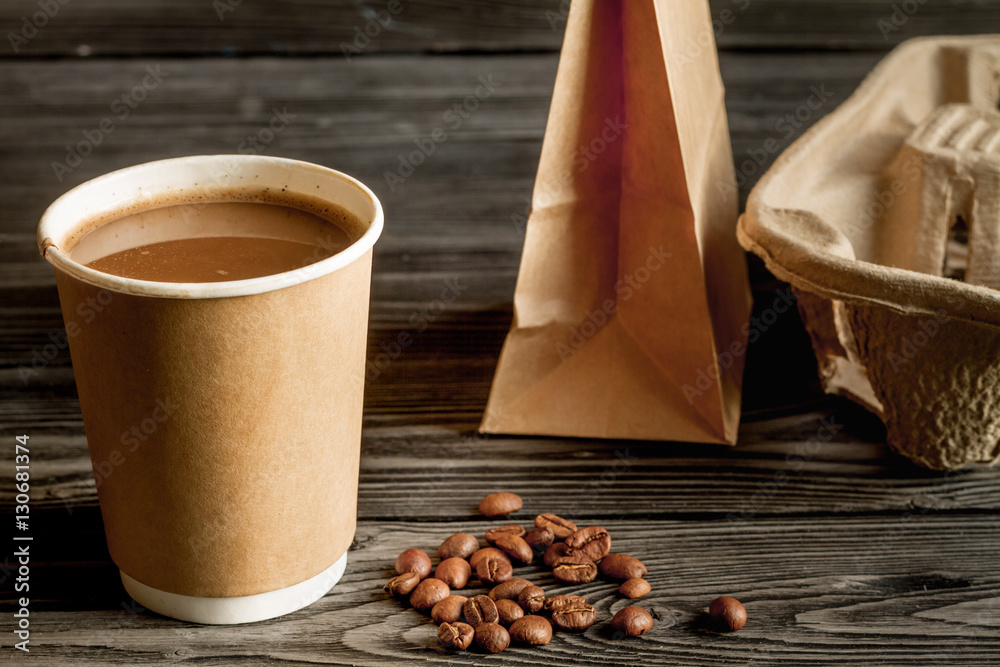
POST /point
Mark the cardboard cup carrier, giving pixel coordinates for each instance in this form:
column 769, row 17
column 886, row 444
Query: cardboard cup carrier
column 885, row 219
column 223, row 419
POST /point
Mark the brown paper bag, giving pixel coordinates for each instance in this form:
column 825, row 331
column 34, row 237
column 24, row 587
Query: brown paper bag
column 630, row 315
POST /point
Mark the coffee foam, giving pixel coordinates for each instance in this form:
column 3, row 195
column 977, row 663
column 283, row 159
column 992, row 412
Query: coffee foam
column 332, row 213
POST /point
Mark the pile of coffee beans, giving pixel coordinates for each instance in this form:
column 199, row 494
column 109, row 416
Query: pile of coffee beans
column 516, row 609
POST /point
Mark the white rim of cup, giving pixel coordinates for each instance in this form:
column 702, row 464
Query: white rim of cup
column 62, row 218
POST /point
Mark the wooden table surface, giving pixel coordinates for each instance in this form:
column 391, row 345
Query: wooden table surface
column 852, row 556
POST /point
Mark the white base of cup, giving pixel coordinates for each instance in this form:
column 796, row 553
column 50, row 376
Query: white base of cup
column 245, row 609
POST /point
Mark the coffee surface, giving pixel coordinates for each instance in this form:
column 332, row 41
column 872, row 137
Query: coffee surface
column 212, row 242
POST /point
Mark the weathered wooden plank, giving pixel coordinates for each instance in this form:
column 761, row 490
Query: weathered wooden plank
column 354, row 28
column 416, row 453
column 844, row 553
column 362, row 118
column 895, row 589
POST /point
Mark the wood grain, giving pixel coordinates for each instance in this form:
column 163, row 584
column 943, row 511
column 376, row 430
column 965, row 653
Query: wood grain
column 843, row 552
column 305, row 27
column 362, row 118
column 782, row 466
column 823, row 590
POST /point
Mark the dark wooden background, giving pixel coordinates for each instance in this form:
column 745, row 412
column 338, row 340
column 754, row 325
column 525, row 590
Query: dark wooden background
column 853, row 557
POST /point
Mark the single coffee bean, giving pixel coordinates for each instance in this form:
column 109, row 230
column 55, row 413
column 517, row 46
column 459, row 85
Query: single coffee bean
column 459, row 545
column 515, row 547
column 539, row 539
column 531, row 599
column 493, row 533
column 557, row 601
column 554, row 553
column 575, row 569
column 622, row 566
column 494, row 569
column 593, row 542
column 560, row 527
column 509, row 611
column 492, row 637
column 500, row 504
column 481, row 554
column 480, row 609
column 414, row 560
column 509, row 590
column 456, row 635
column 574, row 616
column 533, row 630
column 634, row 588
column 728, row 613
column 633, row 621
column 402, row 585
column 448, row 610
column 428, row 593
column 454, row 571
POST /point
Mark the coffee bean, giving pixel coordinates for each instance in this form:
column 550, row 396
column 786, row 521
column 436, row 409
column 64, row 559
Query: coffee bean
column 557, row 601
column 493, row 533
column 728, row 613
column 515, row 547
column 509, row 612
column 414, row 560
column 622, row 566
column 575, row 569
column 634, row 588
column 509, row 590
column 633, row 621
column 533, row 630
column 402, row 585
column 593, row 542
column 480, row 609
column 456, row 635
column 560, row 527
column 539, row 539
column 531, row 599
column 574, row 616
column 492, row 637
column 448, row 610
column 428, row 593
column 459, row 545
column 494, row 569
column 454, row 571
column 554, row 553
column 480, row 554
column 500, row 504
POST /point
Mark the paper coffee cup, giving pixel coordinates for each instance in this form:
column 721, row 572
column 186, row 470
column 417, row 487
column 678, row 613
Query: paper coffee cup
column 223, row 419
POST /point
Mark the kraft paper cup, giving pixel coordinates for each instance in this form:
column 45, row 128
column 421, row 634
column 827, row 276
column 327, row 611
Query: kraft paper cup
column 223, row 419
